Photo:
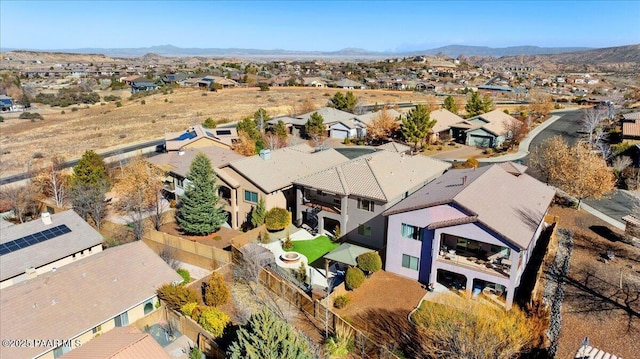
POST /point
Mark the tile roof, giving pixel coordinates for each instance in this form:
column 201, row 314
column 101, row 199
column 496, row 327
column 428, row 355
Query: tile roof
column 631, row 129
column 368, row 117
column 382, row 175
column 120, row 343
column 634, row 116
column 444, row 119
column 493, row 195
column 495, row 121
column 179, row 164
column 82, row 236
column 285, row 165
column 176, row 140
column 81, row 295
column 394, row 147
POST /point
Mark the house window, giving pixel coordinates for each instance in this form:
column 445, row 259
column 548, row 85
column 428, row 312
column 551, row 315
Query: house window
column 365, row 204
column 60, row 351
column 250, row 196
column 180, row 182
column 364, row 230
column 410, row 262
column 148, row 307
column 411, row 232
column 336, row 201
column 122, row 320
column 96, row 330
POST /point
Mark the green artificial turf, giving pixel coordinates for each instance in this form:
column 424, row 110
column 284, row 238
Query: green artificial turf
column 314, row 249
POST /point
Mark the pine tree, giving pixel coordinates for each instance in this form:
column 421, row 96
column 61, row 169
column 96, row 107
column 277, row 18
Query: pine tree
column 268, row 337
column 90, row 170
column 475, row 105
column 416, row 125
column 315, row 127
column 199, row 212
column 281, row 130
column 450, row 105
column 259, row 213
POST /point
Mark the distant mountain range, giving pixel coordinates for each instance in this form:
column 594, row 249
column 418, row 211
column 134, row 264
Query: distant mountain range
column 450, row 51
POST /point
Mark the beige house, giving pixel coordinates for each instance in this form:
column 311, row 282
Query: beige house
column 120, row 343
column 270, row 175
column 65, row 309
column 200, row 137
column 176, row 167
column 444, row 120
column 40, row 246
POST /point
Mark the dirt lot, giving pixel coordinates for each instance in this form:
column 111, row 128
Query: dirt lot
column 220, row 239
column 602, row 300
column 105, row 126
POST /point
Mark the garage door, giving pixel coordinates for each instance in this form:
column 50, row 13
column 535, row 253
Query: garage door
column 480, row 141
column 339, row 134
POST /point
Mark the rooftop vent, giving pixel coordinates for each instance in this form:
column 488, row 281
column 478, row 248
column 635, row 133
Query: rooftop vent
column 31, row 273
column 265, row 154
column 46, row 218
column 181, row 152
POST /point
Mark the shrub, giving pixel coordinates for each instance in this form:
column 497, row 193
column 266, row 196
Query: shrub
column 263, row 86
column 143, row 102
column 30, row 116
column 216, row 292
column 110, row 98
column 341, row 301
column 209, row 123
column 301, row 273
column 369, row 262
column 265, row 237
column 177, row 296
column 186, row 276
column 196, row 313
column 277, row 219
column 188, row 308
column 74, row 109
column 1, row 119
column 354, row 278
column 214, row 321
column 195, row 353
column 118, row 104
column 38, row 155
column 341, row 344
column 288, row 243
column 62, row 112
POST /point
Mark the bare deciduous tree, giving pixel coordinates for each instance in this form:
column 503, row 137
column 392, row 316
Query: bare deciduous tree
column 89, row 201
column 52, row 181
column 21, row 199
column 515, row 130
column 592, row 120
column 382, row 126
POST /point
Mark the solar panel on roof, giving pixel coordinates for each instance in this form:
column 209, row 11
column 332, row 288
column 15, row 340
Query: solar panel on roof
column 34, row 238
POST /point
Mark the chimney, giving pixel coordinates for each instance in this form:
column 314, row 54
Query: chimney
column 46, row 218
column 181, row 152
column 265, row 154
column 31, row 273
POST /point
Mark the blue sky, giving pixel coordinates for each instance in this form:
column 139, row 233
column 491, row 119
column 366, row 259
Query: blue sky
column 317, row 25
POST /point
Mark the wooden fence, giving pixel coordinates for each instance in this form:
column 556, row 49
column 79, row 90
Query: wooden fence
column 316, row 309
column 187, row 251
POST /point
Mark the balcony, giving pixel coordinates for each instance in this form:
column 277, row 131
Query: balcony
column 497, row 267
column 323, row 206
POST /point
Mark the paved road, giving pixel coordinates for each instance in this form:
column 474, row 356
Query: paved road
column 618, row 204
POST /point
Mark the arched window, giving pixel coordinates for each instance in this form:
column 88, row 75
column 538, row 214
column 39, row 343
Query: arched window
column 148, row 307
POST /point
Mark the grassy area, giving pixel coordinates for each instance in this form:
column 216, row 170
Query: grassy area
column 314, row 249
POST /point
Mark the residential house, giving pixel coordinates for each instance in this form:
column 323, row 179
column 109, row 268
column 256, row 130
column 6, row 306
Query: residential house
column 364, row 120
column 631, row 126
column 270, row 176
column 43, row 245
column 471, row 229
column 5, row 103
column 143, row 85
column 314, row 82
column 485, row 130
column 128, row 80
column 82, row 300
column 173, row 78
column 339, row 124
column 120, row 343
column 199, row 137
column 176, row 166
column 442, row 130
column 352, row 195
column 349, row 84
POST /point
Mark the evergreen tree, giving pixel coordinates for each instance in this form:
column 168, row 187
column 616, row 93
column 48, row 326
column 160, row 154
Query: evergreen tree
column 199, row 212
column 351, row 102
column 90, row 170
column 249, row 128
column 450, row 104
column 478, row 105
column 281, row 130
column 268, row 337
column 343, row 102
column 261, row 117
column 416, row 125
column 259, row 213
column 315, row 127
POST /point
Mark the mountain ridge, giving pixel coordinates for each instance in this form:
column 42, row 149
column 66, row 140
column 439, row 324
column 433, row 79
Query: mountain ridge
column 449, row 50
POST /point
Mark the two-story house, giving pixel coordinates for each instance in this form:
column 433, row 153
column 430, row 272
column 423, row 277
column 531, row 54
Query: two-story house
column 352, row 195
column 471, row 229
